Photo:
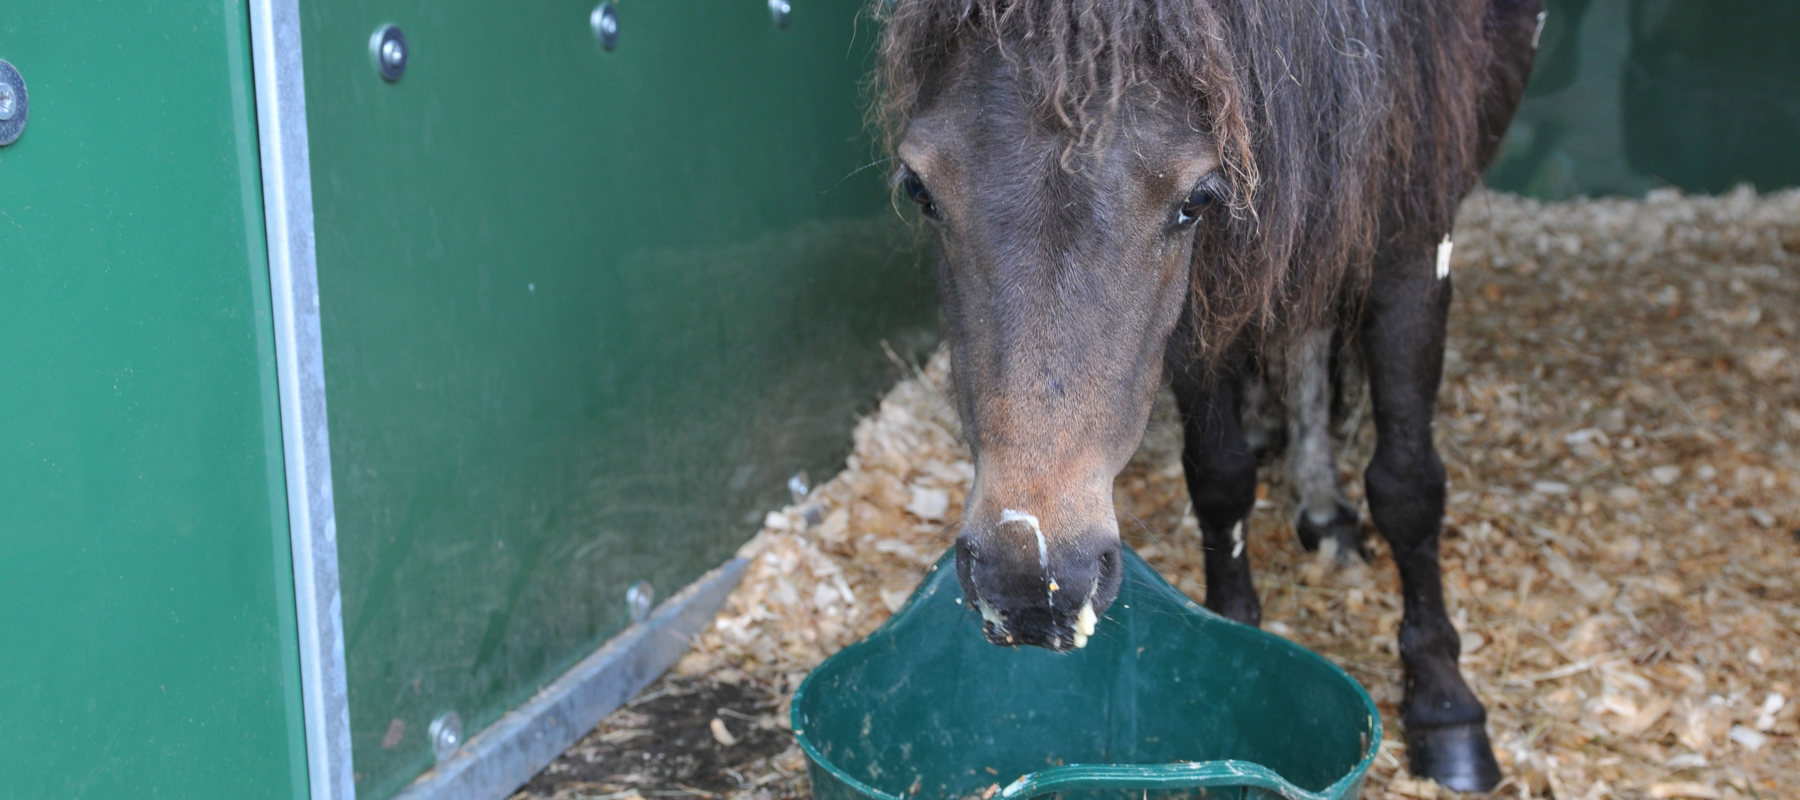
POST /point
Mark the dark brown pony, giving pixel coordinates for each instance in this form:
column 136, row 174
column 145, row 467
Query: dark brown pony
column 1132, row 191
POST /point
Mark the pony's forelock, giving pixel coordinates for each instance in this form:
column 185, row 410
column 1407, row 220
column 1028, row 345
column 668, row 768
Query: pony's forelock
column 1080, row 56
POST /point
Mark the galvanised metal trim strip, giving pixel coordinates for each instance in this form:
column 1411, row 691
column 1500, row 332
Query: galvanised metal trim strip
column 505, row 755
column 300, row 367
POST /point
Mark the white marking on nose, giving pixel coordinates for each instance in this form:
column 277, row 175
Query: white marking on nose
column 1237, row 540
column 1535, row 34
column 1443, row 257
column 1009, row 515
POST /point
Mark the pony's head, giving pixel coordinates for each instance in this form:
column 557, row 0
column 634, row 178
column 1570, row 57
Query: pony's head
column 1102, row 174
column 1067, row 229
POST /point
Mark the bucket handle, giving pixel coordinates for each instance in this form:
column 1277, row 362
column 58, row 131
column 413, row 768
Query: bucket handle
column 1184, row 775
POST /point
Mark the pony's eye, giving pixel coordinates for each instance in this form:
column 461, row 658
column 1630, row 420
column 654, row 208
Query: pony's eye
column 1205, row 193
column 915, row 190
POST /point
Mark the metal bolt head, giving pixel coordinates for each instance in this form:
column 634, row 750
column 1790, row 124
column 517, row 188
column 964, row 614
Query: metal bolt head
column 779, row 9
column 388, row 45
column 605, row 21
column 393, row 53
column 15, row 104
column 640, row 597
column 446, row 736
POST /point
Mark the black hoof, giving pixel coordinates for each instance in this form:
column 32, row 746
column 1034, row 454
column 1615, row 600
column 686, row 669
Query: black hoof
column 1457, row 756
column 1344, row 527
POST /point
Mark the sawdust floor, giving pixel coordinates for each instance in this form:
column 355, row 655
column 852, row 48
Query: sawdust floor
column 1620, row 420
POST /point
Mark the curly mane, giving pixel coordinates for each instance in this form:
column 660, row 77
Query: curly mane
column 1339, row 123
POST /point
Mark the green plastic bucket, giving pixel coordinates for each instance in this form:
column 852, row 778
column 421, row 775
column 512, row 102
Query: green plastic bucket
column 1167, row 700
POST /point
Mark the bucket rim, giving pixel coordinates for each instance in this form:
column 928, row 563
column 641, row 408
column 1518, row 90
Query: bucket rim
column 1172, row 775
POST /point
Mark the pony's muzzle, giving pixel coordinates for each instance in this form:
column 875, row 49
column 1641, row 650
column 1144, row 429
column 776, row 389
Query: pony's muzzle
column 1051, row 597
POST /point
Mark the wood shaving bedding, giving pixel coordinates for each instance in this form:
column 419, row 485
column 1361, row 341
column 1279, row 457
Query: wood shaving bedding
column 1620, row 421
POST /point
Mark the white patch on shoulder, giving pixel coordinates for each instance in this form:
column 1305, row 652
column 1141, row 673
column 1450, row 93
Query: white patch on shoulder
column 1009, row 515
column 1536, row 34
column 1443, row 257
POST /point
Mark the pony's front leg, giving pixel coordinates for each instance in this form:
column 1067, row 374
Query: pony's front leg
column 1221, row 479
column 1403, row 339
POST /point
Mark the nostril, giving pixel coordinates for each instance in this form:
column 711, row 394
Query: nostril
column 966, row 548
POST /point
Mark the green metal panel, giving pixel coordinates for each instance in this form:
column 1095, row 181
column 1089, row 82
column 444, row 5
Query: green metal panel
column 147, row 641
column 1629, row 95
column 583, row 314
